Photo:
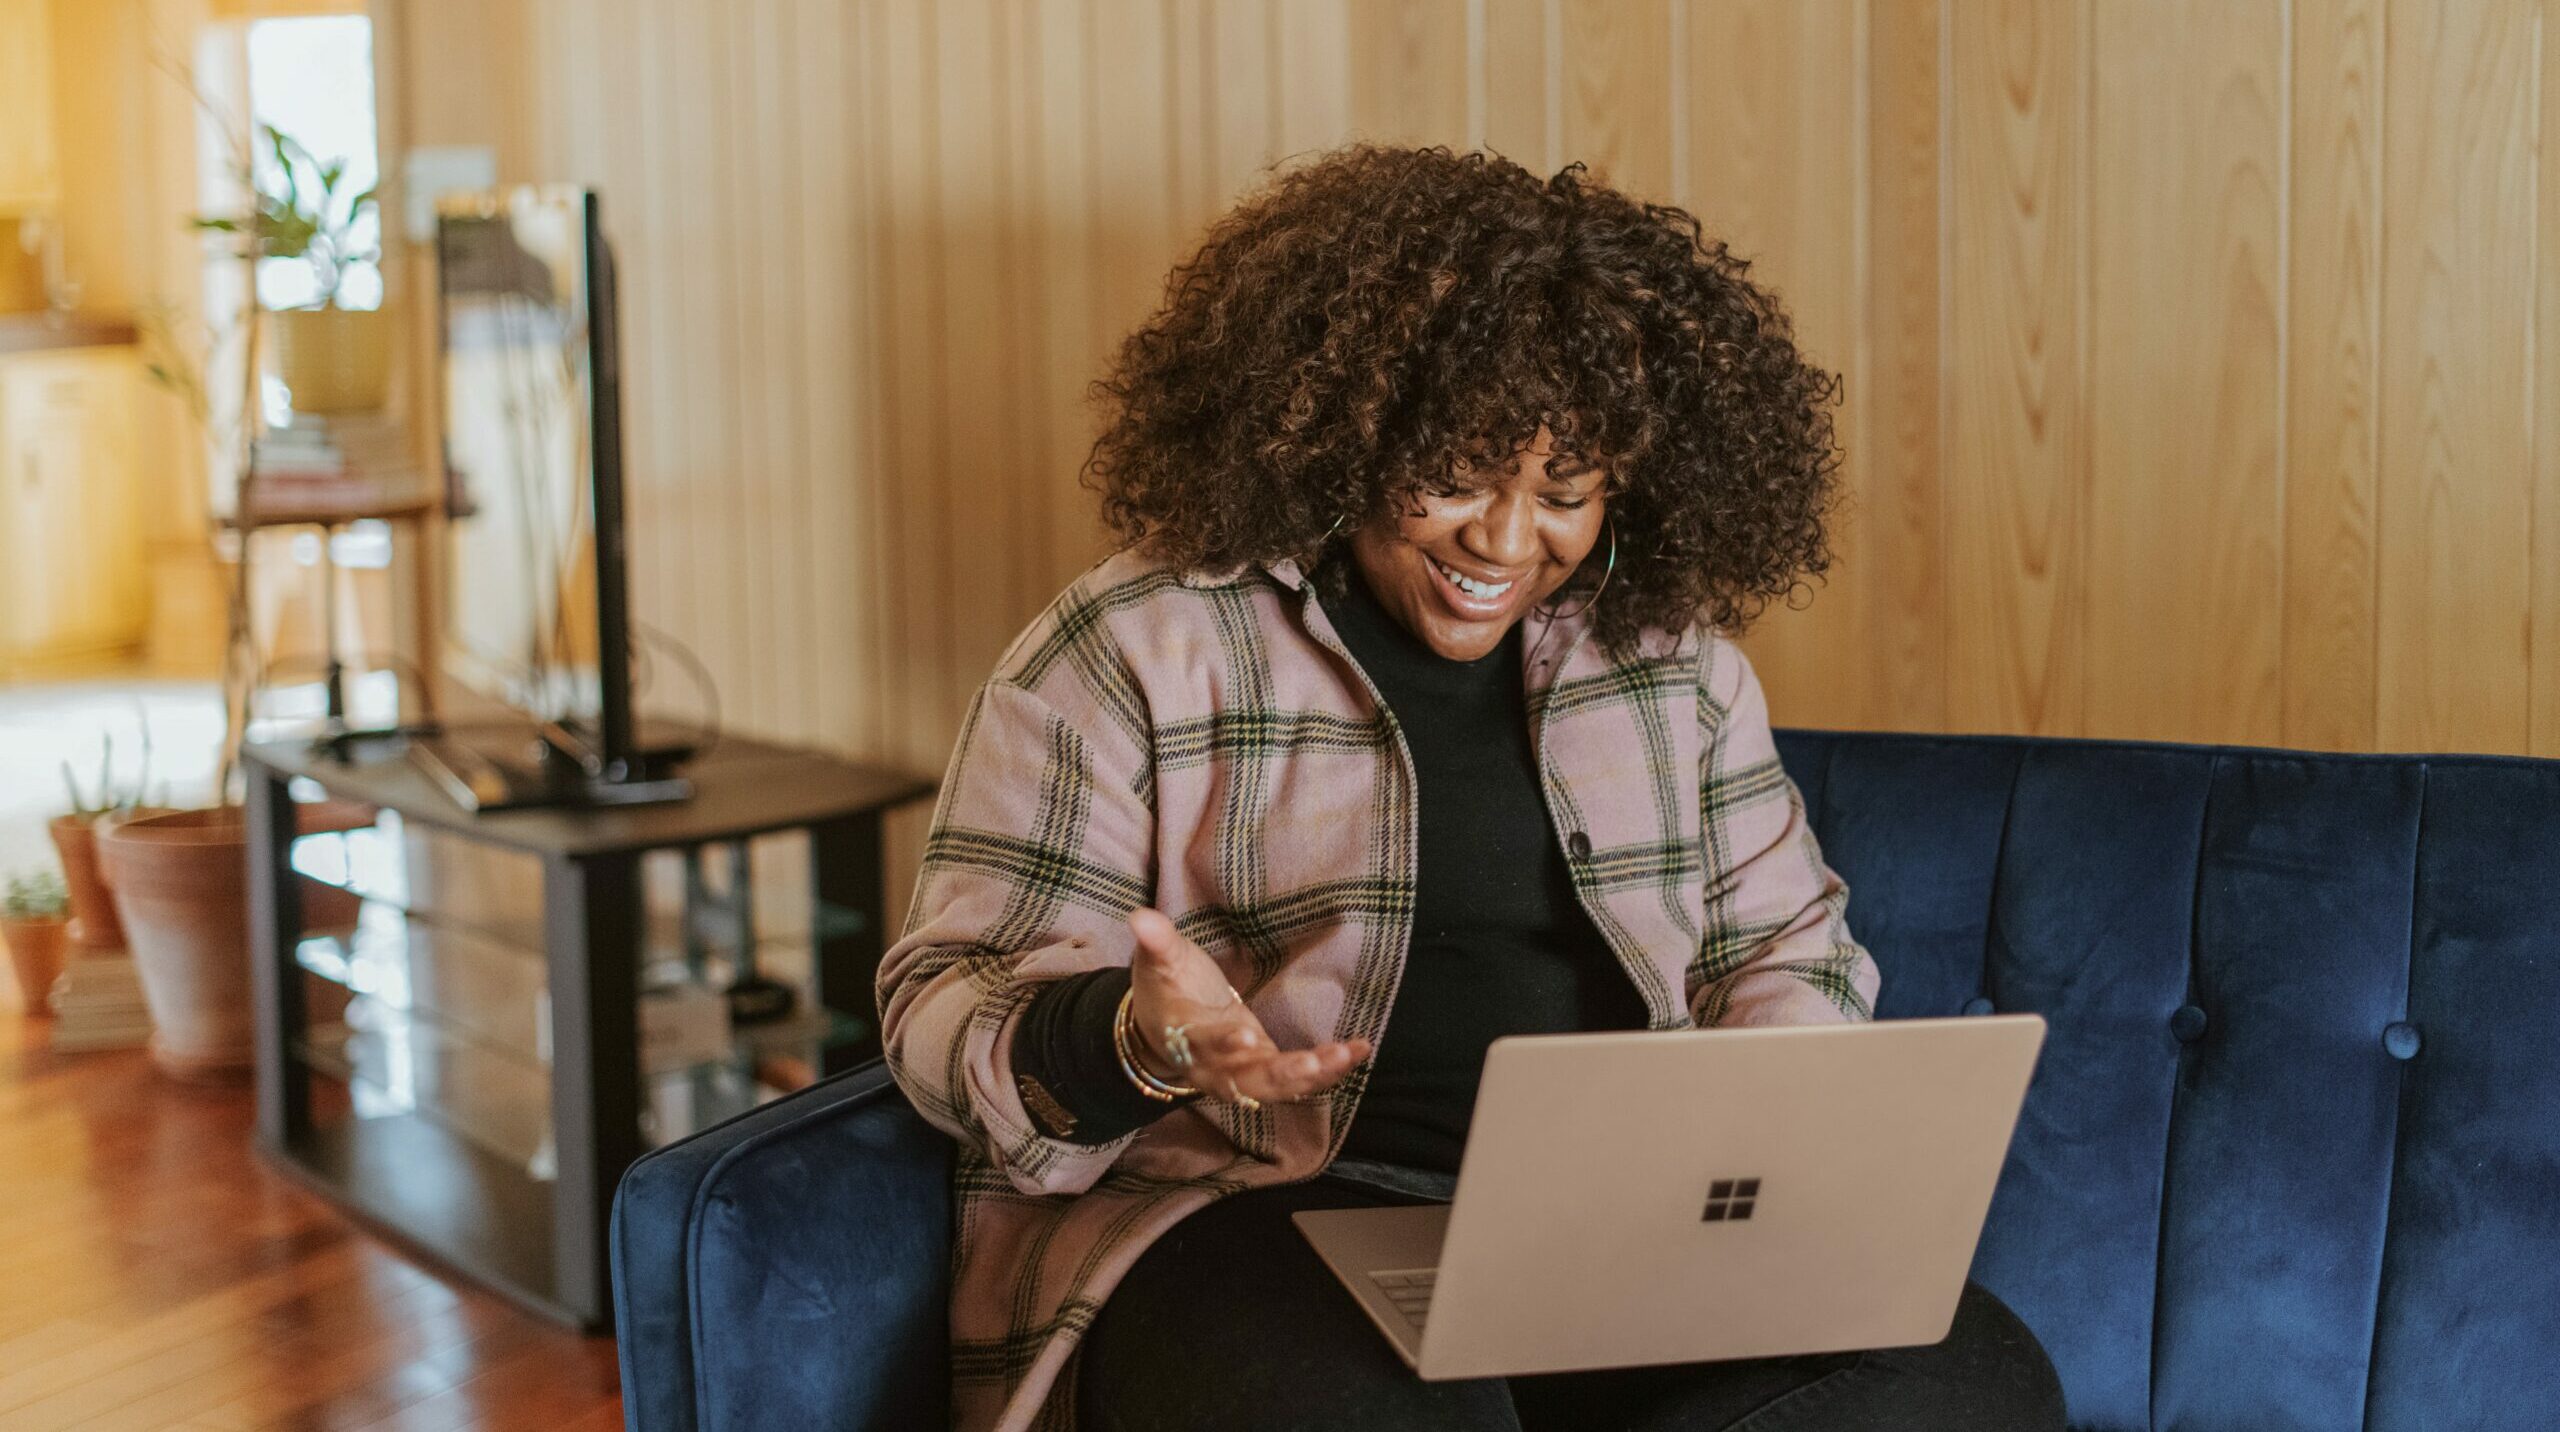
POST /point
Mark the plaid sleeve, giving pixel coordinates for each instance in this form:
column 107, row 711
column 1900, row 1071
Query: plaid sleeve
column 1777, row 948
column 1038, row 849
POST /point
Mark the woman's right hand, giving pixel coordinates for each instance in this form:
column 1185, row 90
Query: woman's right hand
column 1174, row 982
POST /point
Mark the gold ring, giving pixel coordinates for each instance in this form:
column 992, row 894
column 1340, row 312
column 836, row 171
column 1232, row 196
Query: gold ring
column 1240, row 1098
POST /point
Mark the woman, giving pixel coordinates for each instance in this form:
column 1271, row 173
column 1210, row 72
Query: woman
column 1408, row 717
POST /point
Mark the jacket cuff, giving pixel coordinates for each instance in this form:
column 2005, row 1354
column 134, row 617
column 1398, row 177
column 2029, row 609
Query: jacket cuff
column 1064, row 1065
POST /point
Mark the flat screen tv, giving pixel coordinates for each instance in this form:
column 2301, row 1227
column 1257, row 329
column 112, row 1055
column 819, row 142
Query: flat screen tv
column 536, row 611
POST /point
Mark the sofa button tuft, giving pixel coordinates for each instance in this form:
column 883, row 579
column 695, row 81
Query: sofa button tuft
column 2400, row 1037
column 1979, row 1004
column 2187, row 1024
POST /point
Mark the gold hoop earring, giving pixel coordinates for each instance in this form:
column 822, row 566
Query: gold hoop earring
column 1605, row 574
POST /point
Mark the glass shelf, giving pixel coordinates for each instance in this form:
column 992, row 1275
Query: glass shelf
column 395, row 1064
column 452, row 1027
column 497, row 893
column 771, row 1061
column 458, row 980
column 765, row 1061
column 426, row 1184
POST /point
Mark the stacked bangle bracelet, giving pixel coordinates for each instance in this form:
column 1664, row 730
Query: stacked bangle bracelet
column 1148, row 1084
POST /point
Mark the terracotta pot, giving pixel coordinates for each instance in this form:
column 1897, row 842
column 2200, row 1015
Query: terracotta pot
column 93, row 910
column 336, row 360
column 182, row 891
column 35, row 954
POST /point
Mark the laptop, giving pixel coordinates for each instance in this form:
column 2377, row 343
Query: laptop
column 1686, row 1195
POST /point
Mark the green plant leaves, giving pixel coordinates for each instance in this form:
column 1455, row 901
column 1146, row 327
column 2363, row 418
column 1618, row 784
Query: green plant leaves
column 298, row 223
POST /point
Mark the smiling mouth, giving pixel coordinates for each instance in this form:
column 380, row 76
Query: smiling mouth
column 1470, row 585
column 1467, row 596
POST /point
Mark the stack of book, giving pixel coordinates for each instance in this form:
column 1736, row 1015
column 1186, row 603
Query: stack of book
column 97, row 1004
column 350, row 462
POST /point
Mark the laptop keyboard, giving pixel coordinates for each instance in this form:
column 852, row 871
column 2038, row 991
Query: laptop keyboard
column 1409, row 1289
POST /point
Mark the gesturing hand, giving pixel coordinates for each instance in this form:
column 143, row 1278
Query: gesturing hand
column 1174, row 982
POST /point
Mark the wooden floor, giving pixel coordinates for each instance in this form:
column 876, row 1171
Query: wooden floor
column 155, row 1274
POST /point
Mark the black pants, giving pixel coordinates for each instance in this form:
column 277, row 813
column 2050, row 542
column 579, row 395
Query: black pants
column 1231, row 1322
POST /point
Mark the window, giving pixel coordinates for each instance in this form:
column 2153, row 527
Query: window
column 312, row 77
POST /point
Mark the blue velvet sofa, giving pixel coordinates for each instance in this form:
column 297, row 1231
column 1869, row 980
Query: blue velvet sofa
column 2291, row 1158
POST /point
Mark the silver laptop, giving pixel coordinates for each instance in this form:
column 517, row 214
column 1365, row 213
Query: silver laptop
column 1683, row 1195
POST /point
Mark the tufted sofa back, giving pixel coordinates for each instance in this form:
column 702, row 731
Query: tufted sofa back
column 2292, row 1156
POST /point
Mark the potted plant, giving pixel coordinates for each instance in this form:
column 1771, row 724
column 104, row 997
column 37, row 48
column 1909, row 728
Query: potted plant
column 93, row 914
column 336, row 360
column 35, row 920
column 179, row 878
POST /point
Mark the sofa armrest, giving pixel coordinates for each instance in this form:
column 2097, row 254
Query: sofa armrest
column 789, row 1268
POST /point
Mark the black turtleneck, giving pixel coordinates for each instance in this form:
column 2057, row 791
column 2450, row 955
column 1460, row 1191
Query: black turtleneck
column 1501, row 945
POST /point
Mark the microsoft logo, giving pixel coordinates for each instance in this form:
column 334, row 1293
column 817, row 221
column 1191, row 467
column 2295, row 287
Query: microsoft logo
column 1730, row 1198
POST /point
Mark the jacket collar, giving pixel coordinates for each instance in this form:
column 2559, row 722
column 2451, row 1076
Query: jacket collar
column 1283, row 570
column 1544, row 632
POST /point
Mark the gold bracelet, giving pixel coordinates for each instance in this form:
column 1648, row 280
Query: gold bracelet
column 1148, row 1084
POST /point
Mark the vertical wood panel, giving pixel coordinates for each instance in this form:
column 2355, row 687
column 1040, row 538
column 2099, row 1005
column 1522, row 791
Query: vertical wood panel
column 839, row 539
column 983, row 579
column 1774, row 173
column 907, row 213
column 590, row 131
column 2458, row 261
column 747, row 456
column 488, row 100
column 1242, row 96
column 1190, row 80
column 2544, row 413
column 1136, row 236
column 1020, row 294
column 1068, row 354
column 1313, row 55
column 2016, row 432
column 1515, row 82
column 1409, row 72
column 2333, row 353
column 1617, row 92
column 687, row 383
column 1900, row 569
column 2185, row 513
column 729, row 441
column 782, row 168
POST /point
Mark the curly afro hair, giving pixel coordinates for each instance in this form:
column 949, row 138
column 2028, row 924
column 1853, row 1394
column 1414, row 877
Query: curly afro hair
column 1384, row 321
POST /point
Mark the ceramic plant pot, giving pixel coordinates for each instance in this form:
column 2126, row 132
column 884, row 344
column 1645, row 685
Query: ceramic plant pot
column 336, row 360
column 93, row 911
column 180, row 881
column 181, row 890
column 35, row 956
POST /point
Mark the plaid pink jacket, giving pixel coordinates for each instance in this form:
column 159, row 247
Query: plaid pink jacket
column 1204, row 743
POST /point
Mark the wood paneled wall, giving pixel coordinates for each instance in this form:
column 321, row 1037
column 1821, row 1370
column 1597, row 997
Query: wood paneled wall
column 2202, row 357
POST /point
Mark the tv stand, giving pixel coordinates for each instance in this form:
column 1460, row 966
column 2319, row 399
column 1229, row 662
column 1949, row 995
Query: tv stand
column 485, row 1050
column 559, row 767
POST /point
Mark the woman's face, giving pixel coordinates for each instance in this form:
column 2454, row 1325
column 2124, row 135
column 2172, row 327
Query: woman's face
column 1513, row 542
